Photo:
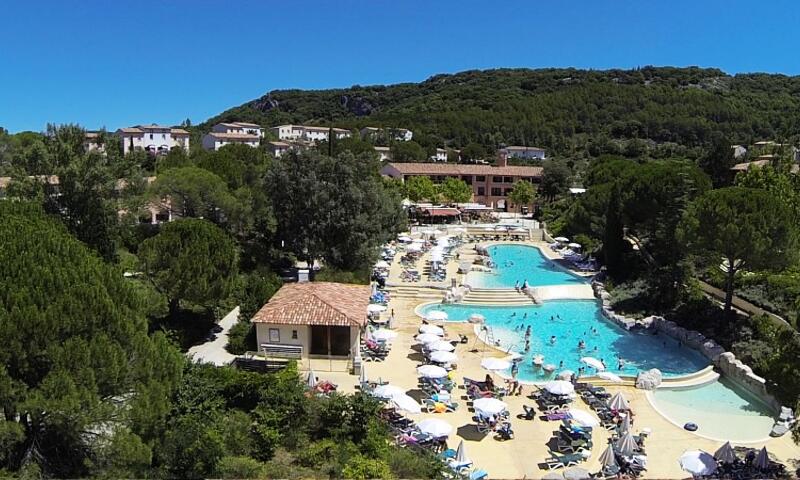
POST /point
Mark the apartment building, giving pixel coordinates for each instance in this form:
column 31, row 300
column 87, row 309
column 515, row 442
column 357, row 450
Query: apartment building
column 154, row 139
column 223, row 134
column 294, row 133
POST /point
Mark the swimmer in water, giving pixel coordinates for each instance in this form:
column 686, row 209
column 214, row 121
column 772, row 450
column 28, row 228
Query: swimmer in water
column 524, row 317
column 561, row 364
column 620, row 364
column 514, row 314
column 603, row 363
column 595, row 348
column 552, row 339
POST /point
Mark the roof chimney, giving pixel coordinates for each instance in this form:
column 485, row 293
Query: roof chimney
column 502, row 158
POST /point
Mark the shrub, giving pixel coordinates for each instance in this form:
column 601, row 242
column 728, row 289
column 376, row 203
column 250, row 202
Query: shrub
column 241, row 338
column 239, row 467
column 329, row 274
column 363, row 468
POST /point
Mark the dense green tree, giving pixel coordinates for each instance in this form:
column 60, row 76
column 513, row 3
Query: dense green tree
column 454, row 190
column 420, row 188
column 195, row 193
column 555, row 179
column 780, row 182
column 409, row 151
column 745, row 227
column 523, row 193
column 717, row 162
column 336, row 209
column 614, row 243
column 80, row 374
column 191, row 260
column 473, row 152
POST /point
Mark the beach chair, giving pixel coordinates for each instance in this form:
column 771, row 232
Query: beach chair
column 432, row 406
column 575, row 446
column 563, row 461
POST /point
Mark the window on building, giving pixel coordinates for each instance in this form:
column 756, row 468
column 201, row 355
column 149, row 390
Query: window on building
column 274, row 335
column 481, row 191
column 480, row 178
column 467, row 179
column 496, row 192
column 507, row 192
column 497, row 179
column 151, row 136
column 294, row 334
column 508, row 179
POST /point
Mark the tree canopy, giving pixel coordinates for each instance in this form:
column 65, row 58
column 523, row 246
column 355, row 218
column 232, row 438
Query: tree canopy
column 420, row 188
column 745, row 227
column 454, row 190
column 80, row 376
column 192, row 260
column 522, row 193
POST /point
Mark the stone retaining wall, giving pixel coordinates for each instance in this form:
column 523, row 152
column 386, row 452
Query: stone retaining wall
column 726, row 362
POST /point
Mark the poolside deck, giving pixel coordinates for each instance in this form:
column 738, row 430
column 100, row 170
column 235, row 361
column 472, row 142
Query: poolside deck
column 520, row 457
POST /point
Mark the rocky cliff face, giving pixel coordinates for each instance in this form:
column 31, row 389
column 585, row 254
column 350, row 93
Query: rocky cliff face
column 358, row 106
column 265, row 103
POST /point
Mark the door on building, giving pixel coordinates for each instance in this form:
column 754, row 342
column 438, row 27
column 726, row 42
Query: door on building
column 331, row 341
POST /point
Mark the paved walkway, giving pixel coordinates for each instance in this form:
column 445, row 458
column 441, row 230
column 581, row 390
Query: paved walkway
column 214, row 351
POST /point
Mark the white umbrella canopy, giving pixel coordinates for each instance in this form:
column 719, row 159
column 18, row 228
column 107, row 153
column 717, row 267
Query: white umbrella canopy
column 583, row 418
column 437, row 257
column 477, row 318
column 559, row 387
column 383, row 334
column 406, row 403
column 443, row 357
column 762, row 459
column 626, row 444
column 431, row 371
column 611, row 377
column 387, row 391
column 432, row 329
column 435, row 427
column 561, row 239
column 441, row 346
column 594, row 363
column 725, row 453
column 495, row 364
column 618, row 402
column 607, row 458
column 436, row 315
column 428, row 338
column 574, row 246
column 491, row 406
column 382, row 264
column 414, row 247
column 565, row 375
column 375, row 308
column 404, row 238
column 311, row 380
column 698, row 462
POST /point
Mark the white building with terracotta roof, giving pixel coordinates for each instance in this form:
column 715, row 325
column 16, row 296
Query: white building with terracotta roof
column 399, row 134
column 313, row 319
column 233, row 133
column 307, row 133
column 384, row 153
column 491, row 184
column 155, row 139
column 277, row 149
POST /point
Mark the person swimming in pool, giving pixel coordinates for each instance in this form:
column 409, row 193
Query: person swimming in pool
column 552, row 339
column 620, row 364
column 581, row 344
column 525, row 316
column 603, row 363
column 528, row 331
column 561, row 364
column 527, row 346
column 595, row 348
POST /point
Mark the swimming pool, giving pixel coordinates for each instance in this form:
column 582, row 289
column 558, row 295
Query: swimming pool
column 721, row 410
column 517, row 263
column 573, row 320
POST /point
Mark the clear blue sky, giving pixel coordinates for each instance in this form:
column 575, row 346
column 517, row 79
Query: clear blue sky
column 120, row 63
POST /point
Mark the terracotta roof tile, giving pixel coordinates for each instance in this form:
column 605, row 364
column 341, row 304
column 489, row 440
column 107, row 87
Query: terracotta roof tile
column 316, row 303
column 235, row 136
column 464, row 169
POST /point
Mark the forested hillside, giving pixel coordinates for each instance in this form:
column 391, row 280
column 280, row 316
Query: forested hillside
column 562, row 110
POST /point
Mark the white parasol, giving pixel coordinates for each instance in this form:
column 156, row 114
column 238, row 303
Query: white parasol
column 435, row 427
column 375, row 308
column 428, row 338
column 436, row 315
column 490, row 406
column 431, row 371
column 383, row 334
column 406, row 403
column 495, row 364
column 594, row 363
column 387, row 391
column 432, row 329
column 583, row 418
column 611, row 377
column 441, row 346
column 698, row 462
column 559, row 387
column 443, row 357
column 382, row 264
column 561, row 239
column 477, row 318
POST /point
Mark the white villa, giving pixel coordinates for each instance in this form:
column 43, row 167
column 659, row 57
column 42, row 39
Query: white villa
column 278, row 148
column 91, row 142
column 235, row 132
column 384, row 153
column 307, row 133
column 399, row 134
column 523, row 152
column 154, row 139
column 441, row 155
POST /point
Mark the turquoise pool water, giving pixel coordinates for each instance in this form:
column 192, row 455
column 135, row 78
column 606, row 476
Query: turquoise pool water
column 720, row 409
column 573, row 320
column 517, row 263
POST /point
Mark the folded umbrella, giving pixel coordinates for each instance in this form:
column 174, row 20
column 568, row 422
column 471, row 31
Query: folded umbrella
column 762, row 459
column 618, row 402
column 608, row 459
column 725, row 454
column 576, row 473
column 626, row 445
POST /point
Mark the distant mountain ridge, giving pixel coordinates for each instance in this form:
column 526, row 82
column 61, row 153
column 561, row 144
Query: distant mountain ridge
column 552, row 108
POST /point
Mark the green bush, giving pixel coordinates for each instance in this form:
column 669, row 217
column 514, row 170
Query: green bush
column 363, row 468
column 360, row 277
column 239, row 467
column 241, row 338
